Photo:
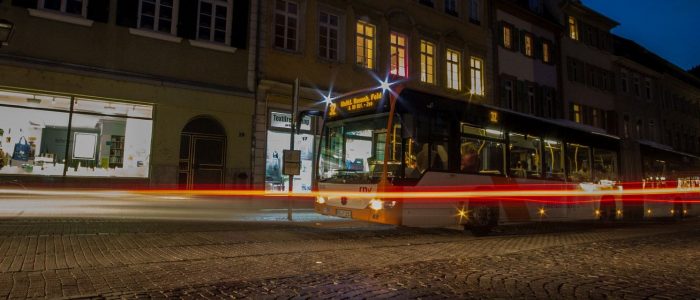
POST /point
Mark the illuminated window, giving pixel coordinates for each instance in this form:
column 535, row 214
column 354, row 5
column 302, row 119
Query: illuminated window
column 477, row 75
column 454, row 80
column 528, row 45
column 157, row 15
column 427, row 62
column 73, row 7
column 399, row 60
column 507, row 37
column 286, row 24
column 546, row 56
column 328, row 28
column 576, row 113
column 573, row 29
column 212, row 21
column 365, row 44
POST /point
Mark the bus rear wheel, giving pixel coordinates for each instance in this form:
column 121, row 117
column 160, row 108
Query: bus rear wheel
column 482, row 219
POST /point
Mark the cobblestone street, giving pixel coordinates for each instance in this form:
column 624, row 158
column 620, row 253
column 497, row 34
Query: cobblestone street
column 76, row 257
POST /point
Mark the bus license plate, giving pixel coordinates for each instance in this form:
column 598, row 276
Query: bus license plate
column 343, row 213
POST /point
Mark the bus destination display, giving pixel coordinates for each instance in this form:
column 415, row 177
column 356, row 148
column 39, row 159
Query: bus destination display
column 356, row 104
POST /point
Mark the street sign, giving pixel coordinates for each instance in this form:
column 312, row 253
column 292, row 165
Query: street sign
column 292, row 162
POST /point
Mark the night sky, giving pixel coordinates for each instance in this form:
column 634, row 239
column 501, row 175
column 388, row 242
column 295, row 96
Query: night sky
column 669, row 28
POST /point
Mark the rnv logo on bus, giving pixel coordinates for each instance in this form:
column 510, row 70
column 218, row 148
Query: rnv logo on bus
column 365, row 189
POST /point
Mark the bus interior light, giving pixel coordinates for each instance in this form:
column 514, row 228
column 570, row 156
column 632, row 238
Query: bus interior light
column 494, row 131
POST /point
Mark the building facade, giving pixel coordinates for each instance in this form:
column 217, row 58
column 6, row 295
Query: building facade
column 152, row 92
column 527, row 58
column 660, row 112
column 335, row 47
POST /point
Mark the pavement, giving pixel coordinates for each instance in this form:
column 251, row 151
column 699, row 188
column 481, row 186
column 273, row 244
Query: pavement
column 256, row 253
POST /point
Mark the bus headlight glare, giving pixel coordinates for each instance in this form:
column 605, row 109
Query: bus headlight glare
column 376, row 204
column 320, row 200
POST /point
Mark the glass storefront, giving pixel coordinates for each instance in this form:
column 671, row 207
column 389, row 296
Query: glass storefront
column 278, row 138
column 52, row 135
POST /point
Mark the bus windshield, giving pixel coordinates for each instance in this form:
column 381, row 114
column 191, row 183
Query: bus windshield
column 352, row 150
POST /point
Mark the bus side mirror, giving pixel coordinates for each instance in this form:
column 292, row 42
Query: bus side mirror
column 302, row 114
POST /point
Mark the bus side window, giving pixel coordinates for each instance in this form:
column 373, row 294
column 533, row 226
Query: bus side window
column 604, row 165
column 524, row 155
column 579, row 162
column 553, row 160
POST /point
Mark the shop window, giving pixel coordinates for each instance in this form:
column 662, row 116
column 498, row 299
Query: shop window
column 553, row 160
column 105, row 138
column 477, row 75
column 578, row 159
column 453, row 66
column 328, row 29
column 605, row 165
column 365, row 38
column 286, row 24
column 427, row 62
column 72, row 7
column 157, row 15
column 359, row 148
column 525, row 156
column 399, row 59
column 212, row 20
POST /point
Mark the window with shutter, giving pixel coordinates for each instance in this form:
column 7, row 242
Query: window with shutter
column 286, row 28
column 157, row 15
column 213, row 20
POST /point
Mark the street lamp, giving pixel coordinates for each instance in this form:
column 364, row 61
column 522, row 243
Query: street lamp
column 6, row 29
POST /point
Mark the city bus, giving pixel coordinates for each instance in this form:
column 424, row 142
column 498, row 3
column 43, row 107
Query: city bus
column 408, row 142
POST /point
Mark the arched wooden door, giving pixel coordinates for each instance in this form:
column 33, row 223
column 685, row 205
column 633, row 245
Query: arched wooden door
column 202, row 154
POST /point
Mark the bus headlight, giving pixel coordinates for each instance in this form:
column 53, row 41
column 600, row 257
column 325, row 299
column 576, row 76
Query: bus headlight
column 376, row 204
column 320, row 200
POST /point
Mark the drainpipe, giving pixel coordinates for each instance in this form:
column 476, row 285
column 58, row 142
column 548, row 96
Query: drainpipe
column 255, row 84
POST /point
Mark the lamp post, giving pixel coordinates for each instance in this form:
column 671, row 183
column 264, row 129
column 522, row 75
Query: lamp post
column 6, row 30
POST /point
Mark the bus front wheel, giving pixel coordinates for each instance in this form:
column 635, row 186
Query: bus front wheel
column 482, row 219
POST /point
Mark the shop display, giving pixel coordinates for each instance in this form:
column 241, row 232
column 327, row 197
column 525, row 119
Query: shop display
column 277, row 141
column 21, row 151
column 105, row 139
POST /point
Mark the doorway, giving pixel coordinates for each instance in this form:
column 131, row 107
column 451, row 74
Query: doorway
column 202, row 154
